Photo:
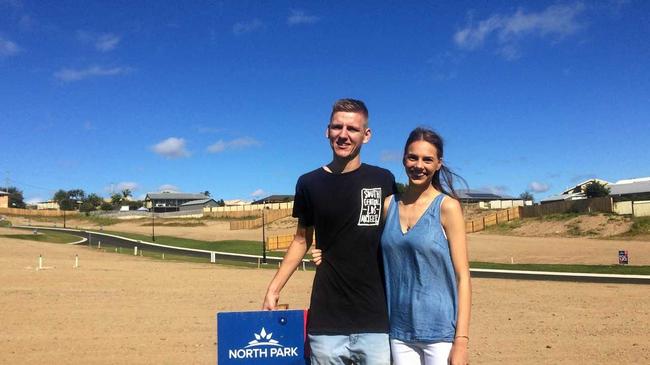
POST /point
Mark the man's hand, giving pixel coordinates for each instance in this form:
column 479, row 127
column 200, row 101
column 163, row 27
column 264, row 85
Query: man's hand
column 317, row 256
column 270, row 301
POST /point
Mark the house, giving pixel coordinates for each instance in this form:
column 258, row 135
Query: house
column 47, row 205
column 622, row 190
column 198, row 204
column 235, row 202
column 487, row 200
column 630, row 189
column 168, row 201
column 576, row 192
column 274, row 199
column 4, row 199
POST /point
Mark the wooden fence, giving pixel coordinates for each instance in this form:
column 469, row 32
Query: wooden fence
column 502, row 216
column 37, row 213
column 279, row 242
column 269, row 216
column 602, row 204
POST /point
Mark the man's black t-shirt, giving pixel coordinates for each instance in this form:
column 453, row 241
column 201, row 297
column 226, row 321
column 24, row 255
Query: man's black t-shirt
column 345, row 210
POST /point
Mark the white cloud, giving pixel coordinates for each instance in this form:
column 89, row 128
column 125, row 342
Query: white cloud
column 107, row 42
column 127, row 185
column 390, row 156
column 238, row 143
column 70, row 75
column 247, row 26
column 298, row 17
column 7, row 47
column 168, row 187
column 172, row 147
column 556, row 21
column 259, row 193
column 538, row 187
column 103, row 42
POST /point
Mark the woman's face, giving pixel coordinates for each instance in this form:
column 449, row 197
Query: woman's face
column 421, row 162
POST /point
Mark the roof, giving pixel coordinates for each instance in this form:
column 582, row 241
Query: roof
column 179, row 196
column 601, row 181
column 3, row 193
column 197, row 202
column 630, row 188
column 481, row 195
column 274, row 199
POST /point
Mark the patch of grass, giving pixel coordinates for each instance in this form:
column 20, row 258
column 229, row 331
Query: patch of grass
column 559, row 216
column 640, row 227
column 174, row 224
column 573, row 229
column 504, row 228
column 594, row 269
column 233, row 246
column 99, row 220
column 52, row 237
column 5, row 223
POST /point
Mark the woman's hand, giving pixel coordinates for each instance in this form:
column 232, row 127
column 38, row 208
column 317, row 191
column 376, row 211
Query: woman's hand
column 458, row 354
column 317, row 256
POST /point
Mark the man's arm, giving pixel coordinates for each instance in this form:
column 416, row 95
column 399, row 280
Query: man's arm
column 297, row 250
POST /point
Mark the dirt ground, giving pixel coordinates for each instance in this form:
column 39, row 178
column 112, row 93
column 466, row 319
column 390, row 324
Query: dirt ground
column 132, row 310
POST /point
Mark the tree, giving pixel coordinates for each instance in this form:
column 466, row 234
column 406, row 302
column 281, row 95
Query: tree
column 206, row 193
column 126, row 193
column 106, row 206
column 95, row 200
column 86, row 206
column 221, row 203
column 526, row 196
column 116, row 199
column 595, row 189
column 401, row 188
column 60, row 196
column 16, row 199
column 76, row 195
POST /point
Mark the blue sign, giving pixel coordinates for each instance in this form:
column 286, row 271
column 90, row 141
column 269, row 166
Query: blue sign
column 263, row 337
column 623, row 257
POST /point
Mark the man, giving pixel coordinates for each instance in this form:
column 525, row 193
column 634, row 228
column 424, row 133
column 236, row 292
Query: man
column 342, row 202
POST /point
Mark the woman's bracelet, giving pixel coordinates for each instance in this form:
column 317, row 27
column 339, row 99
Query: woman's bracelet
column 467, row 337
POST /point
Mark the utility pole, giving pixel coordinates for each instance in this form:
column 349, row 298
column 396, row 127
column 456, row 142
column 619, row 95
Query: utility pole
column 263, row 232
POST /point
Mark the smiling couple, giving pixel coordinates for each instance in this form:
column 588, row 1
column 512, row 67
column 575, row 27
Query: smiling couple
column 393, row 275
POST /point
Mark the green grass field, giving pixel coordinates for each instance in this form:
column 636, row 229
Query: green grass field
column 49, row 236
column 592, row 269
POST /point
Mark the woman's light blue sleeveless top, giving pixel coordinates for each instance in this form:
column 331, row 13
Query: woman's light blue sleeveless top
column 420, row 279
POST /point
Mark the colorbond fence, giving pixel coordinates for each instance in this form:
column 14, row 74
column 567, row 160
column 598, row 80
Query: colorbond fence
column 269, row 216
column 37, row 213
column 602, row 204
column 502, row 216
column 241, row 211
column 640, row 208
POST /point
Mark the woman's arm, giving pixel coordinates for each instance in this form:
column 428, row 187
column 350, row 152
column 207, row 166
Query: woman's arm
column 454, row 225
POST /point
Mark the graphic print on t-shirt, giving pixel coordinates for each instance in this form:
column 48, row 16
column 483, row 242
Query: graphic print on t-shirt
column 370, row 207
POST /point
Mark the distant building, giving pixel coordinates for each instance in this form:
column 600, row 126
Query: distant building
column 576, row 192
column 235, row 202
column 198, row 204
column 169, row 202
column 47, row 205
column 488, row 200
column 628, row 189
column 274, row 199
column 4, row 199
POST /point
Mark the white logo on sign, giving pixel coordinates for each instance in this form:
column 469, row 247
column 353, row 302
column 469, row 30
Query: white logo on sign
column 263, row 336
column 370, row 207
column 262, row 339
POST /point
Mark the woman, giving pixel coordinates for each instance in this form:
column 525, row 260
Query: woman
column 425, row 260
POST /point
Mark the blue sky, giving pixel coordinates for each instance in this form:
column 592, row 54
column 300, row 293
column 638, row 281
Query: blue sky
column 234, row 96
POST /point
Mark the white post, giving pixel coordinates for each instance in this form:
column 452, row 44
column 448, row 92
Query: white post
column 99, row 245
column 135, row 250
column 213, row 257
column 259, row 262
column 163, row 256
column 76, row 261
column 303, row 266
column 512, row 260
column 40, row 262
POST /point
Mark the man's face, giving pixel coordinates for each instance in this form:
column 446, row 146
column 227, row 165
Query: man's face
column 347, row 132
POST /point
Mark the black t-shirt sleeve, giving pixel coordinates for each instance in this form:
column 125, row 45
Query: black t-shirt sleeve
column 302, row 206
column 391, row 183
